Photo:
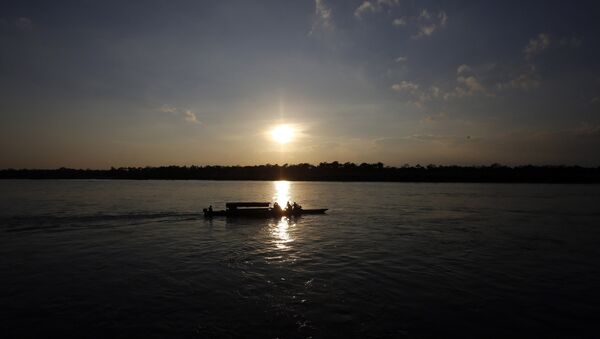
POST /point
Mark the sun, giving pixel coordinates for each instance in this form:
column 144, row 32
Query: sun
column 282, row 134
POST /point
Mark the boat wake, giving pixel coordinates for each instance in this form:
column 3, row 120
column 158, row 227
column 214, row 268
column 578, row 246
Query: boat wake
column 46, row 222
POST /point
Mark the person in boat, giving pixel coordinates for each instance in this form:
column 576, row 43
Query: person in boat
column 296, row 207
column 210, row 209
column 288, row 207
column 277, row 208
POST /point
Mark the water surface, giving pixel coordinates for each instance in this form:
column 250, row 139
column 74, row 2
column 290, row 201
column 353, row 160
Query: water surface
column 136, row 258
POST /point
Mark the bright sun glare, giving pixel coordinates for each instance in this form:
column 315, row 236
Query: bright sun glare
column 282, row 134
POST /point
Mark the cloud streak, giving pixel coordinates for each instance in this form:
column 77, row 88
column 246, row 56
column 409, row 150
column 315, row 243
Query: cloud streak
column 190, row 116
column 400, row 22
column 468, row 83
column 430, row 22
column 187, row 115
column 527, row 80
column 323, row 19
column 537, row 46
column 405, row 86
column 374, row 6
column 20, row 23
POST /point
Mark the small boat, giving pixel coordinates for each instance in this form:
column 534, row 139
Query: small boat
column 259, row 210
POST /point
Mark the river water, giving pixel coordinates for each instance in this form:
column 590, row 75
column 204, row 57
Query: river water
column 136, row 258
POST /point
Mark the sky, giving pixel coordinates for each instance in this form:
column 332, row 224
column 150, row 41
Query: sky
column 95, row 84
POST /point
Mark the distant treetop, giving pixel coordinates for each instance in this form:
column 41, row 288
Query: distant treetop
column 326, row 171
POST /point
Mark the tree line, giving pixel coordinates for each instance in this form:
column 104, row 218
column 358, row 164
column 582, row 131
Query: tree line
column 327, row 171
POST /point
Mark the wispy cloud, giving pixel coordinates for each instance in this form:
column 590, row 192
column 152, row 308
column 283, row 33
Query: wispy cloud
column 543, row 42
column 427, row 22
column 20, row 23
column 536, row 46
column 524, row 81
column 24, row 23
column 418, row 95
column 323, row 19
column 434, row 118
column 529, row 78
column 373, row 6
column 430, row 22
column 168, row 109
column 364, row 8
column 190, row 116
column 572, row 42
column 186, row 114
column 405, row 86
column 400, row 22
column 468, row 83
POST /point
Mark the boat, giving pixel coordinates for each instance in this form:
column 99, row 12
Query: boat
column 259, row 210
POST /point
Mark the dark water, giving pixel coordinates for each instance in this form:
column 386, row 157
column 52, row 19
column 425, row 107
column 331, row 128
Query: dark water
column 135, row 258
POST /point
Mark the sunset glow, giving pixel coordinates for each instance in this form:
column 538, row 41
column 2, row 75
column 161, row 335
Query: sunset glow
column 391, row 81
column 282, row 134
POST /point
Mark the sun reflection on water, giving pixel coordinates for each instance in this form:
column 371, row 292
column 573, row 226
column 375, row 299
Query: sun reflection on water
column 282, row 192
column 281, row 233
column 280, row 230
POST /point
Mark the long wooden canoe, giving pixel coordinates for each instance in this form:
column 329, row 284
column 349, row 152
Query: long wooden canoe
column 261, row 212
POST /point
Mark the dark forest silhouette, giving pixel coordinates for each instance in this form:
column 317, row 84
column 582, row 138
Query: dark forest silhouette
column 333, row 171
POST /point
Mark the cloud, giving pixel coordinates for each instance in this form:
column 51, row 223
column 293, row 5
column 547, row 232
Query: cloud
column 24, row 24
column 443, row 17
column 373, row 6
column 462, row 69
column 168, row 109
column 187, row 114
column 427, row 22
column 435, row 91
column 544, row 42
column 400, row 22
column 405, row 86
column 20, row 23
column 365, row 7
column 433, row 118
column 536, row 46
column 323, row 18
column 190, row 116
column 430, row 22
column 401, row 59
column 419, row 96
column 525, row 81
column 529, row 79
column 572, row 42
column 468, row 83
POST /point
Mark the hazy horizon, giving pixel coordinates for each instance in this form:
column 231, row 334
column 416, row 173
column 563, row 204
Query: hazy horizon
column 97, row 84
